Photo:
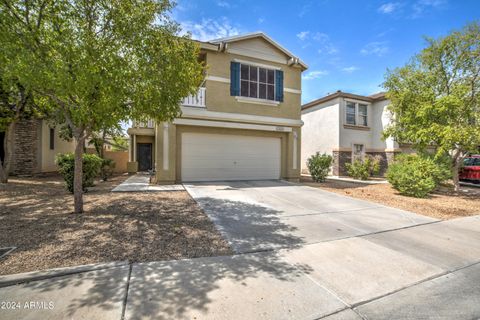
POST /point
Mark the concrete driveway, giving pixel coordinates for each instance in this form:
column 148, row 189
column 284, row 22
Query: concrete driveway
column 303, row 254
column 265, row 215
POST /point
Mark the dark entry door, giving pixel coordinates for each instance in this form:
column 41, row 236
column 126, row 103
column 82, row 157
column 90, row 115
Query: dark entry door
column 144, row 156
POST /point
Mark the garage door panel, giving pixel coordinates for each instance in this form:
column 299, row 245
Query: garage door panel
column 209, row 157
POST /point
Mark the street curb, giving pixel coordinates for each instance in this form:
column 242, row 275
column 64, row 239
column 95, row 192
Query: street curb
column 18, row 278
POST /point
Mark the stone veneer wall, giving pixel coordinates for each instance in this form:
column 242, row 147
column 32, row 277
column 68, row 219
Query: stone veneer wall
column 340, row 158
column 25, row 153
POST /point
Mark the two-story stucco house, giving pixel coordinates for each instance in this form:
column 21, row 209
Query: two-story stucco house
column 348, row 126
column 244, row 123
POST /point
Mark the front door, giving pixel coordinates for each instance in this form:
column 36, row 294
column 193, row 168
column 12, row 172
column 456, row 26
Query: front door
column 144, row 156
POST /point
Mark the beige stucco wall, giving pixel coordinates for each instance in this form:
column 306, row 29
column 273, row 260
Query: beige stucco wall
column 165, row 156
column 382, row 119
column 348, row 136
column 218, row 93
column 378, row 119
column 47, row 156
column 320, row 131
column 119, row 157
column 218, row 99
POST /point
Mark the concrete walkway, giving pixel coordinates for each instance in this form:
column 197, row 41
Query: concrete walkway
column 140, row 182
column 327, row 257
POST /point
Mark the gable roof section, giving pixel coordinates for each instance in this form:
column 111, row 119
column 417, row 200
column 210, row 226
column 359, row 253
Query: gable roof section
column 259, row 34
column 339, row 94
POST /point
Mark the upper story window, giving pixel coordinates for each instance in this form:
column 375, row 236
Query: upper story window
column 257, row 82
column 356, row 114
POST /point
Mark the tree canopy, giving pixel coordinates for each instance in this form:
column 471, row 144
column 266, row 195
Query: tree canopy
column 435, row 97
column 95, row 63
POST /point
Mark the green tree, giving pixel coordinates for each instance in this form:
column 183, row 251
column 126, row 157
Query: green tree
column 98, row 139
column 16, row 102
column 435, row 97
column 119, row 143
column 99, row 62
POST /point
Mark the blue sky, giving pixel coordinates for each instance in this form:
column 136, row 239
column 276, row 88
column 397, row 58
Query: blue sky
column 348, row 45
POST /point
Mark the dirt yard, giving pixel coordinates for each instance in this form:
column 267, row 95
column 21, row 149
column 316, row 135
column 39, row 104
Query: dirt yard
column 441, row 204
column 35, row 217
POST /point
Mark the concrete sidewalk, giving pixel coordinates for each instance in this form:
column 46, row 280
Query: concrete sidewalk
column 140, row 182
column 427, row 271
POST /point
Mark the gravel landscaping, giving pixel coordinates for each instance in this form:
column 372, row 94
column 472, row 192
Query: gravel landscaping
column 443, row 204
column 35, row 217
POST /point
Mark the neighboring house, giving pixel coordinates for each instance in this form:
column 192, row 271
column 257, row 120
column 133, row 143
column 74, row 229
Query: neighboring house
column 36, row 145
column 348, row 127
column 243, row 124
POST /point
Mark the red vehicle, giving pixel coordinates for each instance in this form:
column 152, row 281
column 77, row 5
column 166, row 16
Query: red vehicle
column 471, row 169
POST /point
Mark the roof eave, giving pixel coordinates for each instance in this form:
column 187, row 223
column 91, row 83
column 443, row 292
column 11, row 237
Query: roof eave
column 267, row 38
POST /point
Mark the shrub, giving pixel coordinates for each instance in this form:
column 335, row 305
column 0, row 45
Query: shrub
column 362, row 169
column 319, row 166
column 374, row 165
column 107, row 167
column 91, row 167
column 415, row 175
column 358, row 169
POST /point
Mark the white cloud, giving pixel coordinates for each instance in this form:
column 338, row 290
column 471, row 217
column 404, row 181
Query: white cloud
column 420, row 6
column 223, row 4
column 260, row 20
column 326, row 47
column 375, row 48
column 389, row 7
column 320, row 36
column 350, row 69
column 209, row 29
column 314, row 74
column 304, row 9
column 303, row 35
column 384, row 33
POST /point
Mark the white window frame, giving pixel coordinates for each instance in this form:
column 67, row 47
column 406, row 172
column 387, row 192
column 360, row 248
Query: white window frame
column 258, row 82
column 362, row 157
column 357, row 113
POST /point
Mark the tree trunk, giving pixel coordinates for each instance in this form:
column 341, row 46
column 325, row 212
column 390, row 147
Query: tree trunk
column 102, row 144
column 78, row 175
column 455, row 175
column 8, row 155
column 3, row 175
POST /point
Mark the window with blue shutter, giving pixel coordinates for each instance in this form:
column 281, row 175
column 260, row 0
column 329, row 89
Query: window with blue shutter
column 257, row 82
column 234, row 78
column 279, row 85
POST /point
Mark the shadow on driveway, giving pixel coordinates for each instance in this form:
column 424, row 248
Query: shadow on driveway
column 250, row 227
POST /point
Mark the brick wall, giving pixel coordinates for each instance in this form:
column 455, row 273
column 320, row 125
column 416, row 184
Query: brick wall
column 25, row 151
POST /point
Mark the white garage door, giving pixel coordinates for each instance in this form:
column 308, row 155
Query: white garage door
column 210, row 157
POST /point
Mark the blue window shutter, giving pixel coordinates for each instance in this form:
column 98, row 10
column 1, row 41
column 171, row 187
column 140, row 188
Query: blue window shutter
column 279, row 85
column 234, row 78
